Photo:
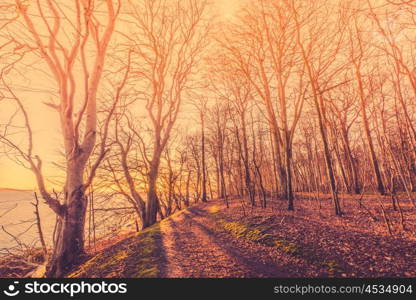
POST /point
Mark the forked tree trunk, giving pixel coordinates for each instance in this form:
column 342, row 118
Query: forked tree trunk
column 69, row 246
column 152, row 199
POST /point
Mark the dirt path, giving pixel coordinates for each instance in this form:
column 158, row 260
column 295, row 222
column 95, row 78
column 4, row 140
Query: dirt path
column 194, row 247
column 213, row 241
column 196, row 243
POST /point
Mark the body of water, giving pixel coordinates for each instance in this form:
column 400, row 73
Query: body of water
column 18, row 217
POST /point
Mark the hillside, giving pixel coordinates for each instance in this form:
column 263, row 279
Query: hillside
column 210, row 240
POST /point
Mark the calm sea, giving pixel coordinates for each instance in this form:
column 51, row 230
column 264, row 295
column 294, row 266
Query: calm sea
column 18, row 218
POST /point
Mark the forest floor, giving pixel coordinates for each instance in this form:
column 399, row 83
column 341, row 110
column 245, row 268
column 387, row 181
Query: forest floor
column 211, row 240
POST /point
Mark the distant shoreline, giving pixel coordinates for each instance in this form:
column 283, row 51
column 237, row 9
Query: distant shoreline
column 14, row 190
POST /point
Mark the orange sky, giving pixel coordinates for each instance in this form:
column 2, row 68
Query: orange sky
column 45, row 122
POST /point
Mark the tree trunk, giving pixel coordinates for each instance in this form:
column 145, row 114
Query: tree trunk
column 69, row 245
column 374, row 161
column 245, row 156
column 152, row 199
column 353, row 166
column 328, row 160
column 280, row 168
column 288, row 171
column 204, row 168
column 188, row 183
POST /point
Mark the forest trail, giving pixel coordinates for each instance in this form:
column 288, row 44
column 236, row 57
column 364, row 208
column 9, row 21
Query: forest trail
column 213, row 241
column 195, row 247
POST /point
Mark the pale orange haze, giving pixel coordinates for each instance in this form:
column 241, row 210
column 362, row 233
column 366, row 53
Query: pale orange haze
column 45, row 121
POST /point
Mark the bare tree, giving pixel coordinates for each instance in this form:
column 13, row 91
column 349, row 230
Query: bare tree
column 201, row 104
column 357, row 56
column 63, row 55
column 262, row 47
column 319, row 54
column 165, row 67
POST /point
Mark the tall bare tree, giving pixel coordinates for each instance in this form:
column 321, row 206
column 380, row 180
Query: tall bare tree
column 65, row 53
column 168, row 40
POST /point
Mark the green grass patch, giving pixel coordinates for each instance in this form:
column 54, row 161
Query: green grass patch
column 139, row 256
column 214, row 209
column 259, row 234
column 242, row 230
column 287, row 247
